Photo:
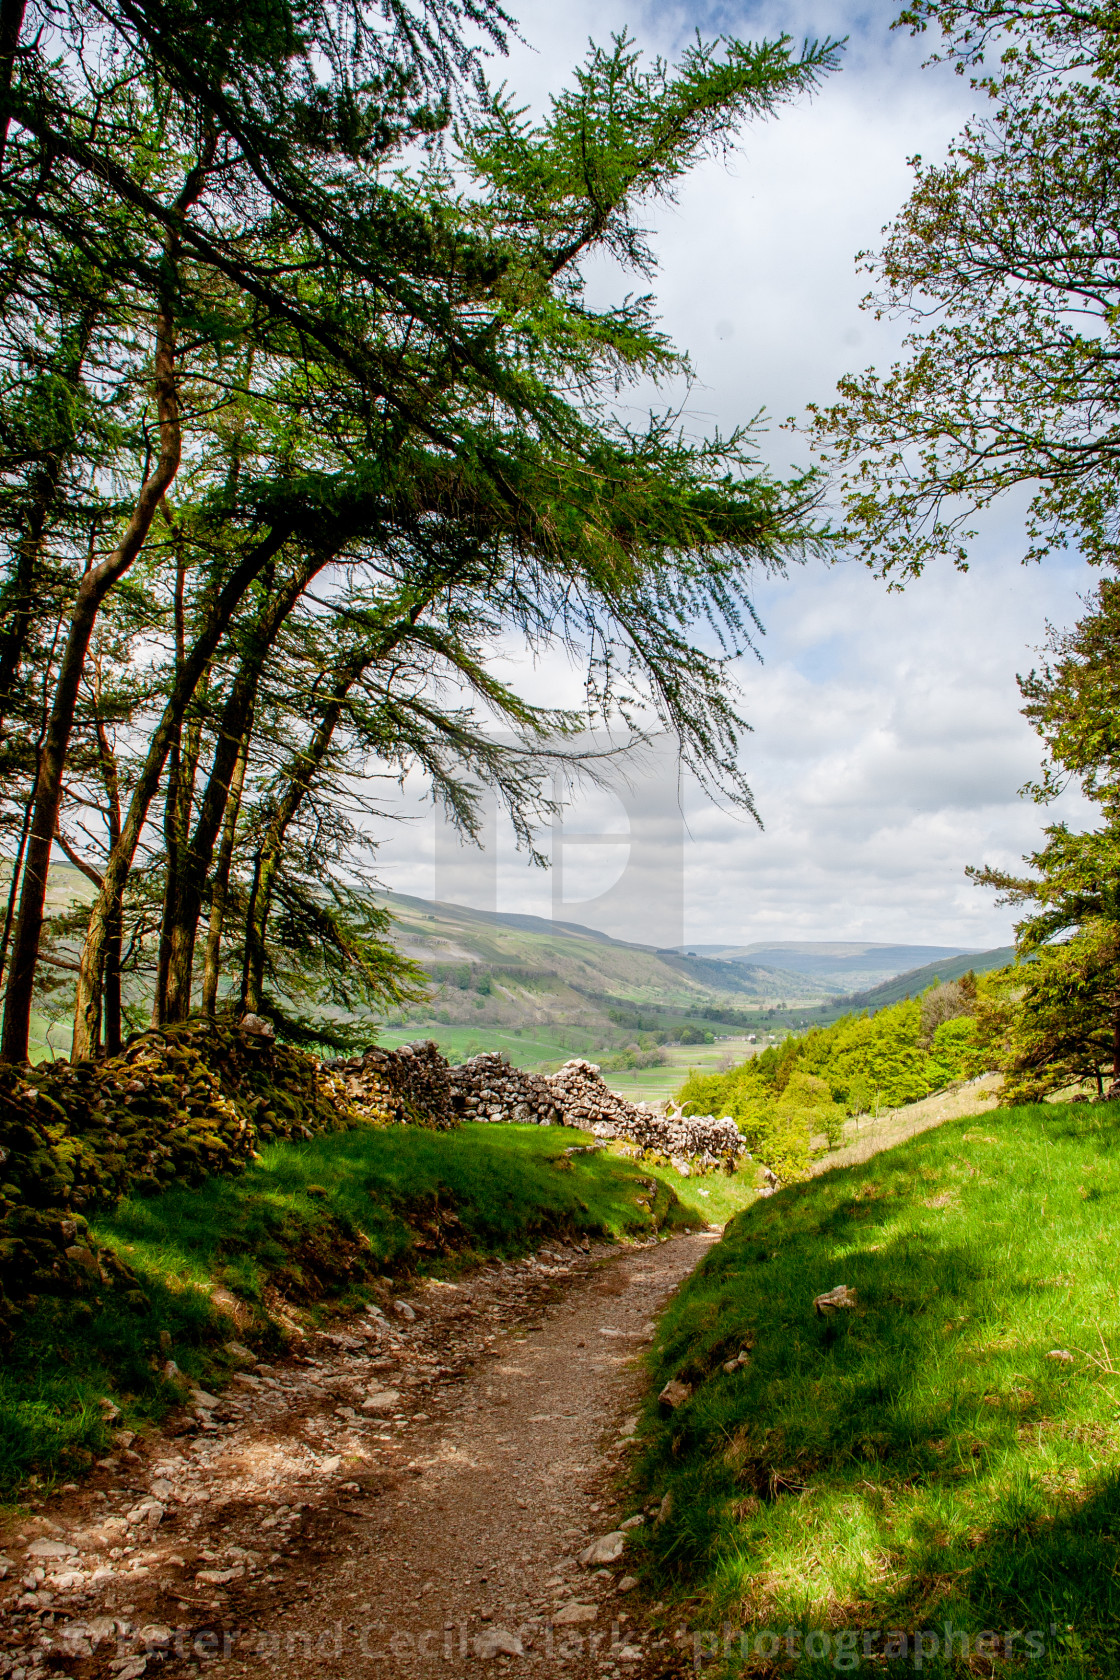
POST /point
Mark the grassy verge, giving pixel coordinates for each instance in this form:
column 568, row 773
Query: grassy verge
column 923, row 1458
column 308, row 1229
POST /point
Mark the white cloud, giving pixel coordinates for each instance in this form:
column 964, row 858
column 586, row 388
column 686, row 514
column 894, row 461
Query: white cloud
column 887, row 748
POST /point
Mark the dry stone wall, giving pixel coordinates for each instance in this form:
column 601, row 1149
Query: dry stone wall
column 416, row 1084
column 489, row 1088
column 409, row 1085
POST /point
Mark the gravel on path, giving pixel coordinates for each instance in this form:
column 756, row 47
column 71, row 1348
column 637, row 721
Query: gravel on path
column 408, row 1496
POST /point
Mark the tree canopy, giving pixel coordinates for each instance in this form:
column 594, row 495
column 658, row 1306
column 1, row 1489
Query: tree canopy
column 303, row 408
column 1055, row 1019
column 1004, row 261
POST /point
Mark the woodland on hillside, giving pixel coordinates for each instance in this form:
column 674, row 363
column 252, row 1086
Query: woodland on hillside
column 1003, row 261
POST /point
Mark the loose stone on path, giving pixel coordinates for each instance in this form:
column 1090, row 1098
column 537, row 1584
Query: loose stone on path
column 288, row 1523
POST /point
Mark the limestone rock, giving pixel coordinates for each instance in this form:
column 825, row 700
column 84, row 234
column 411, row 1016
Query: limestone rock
column 257, row 1025
column 51, row 1549
column 132, row 1668
column 607, row 1549
column 836, row 1300
column 497, row 1642
column 385, row 1400
column 675, row 1394
column 571, row 1615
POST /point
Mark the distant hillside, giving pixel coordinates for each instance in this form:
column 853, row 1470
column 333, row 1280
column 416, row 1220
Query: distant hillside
column 574, row 989
column 913, row 984
column 833, row 965
column 493, row 969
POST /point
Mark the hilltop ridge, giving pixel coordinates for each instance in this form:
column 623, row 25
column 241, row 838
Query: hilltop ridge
column 569, row 988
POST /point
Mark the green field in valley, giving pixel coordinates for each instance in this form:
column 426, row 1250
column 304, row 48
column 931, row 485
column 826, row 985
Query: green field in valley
column 524, row 1047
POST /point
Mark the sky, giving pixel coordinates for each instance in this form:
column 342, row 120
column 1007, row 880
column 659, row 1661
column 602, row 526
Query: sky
column 887, row 750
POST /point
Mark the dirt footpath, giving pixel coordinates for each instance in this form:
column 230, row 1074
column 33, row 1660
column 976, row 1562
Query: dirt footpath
column 407, row 1497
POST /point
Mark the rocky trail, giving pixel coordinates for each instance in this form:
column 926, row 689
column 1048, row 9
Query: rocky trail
column 409, row 1495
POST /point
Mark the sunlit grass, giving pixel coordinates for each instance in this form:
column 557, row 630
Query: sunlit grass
column 318, row 1223
column 920, row 1458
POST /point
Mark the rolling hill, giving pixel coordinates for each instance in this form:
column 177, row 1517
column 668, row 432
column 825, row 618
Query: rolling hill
column 564, row 988
column 834, row 965
column 918, row 979
column 492, row 968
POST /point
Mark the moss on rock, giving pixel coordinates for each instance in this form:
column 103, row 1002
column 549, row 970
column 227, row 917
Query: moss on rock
column 179, row 1105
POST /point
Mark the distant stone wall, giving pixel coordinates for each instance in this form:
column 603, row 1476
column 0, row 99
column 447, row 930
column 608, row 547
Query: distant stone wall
column 416, row 1085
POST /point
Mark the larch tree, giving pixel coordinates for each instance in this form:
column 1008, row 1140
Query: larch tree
column 368, row 375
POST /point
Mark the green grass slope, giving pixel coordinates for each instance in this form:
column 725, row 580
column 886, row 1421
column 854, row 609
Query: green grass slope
column 309, row 1229
column 561, row 976
column 945, row 1452
column 917, row 980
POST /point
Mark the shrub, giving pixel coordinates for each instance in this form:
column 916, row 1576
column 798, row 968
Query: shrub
column 806, row 1086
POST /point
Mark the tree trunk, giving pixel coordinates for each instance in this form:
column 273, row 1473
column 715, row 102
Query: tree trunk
column 87, row 1001
column 28, row 808
column 219, row 893
column 13, row 885
column 176, row 827
column 95, row 585
column 11, row 22
column 271, row 849
column 174, row 824
column 17, row 601
column 19, row 592
column 111, row 1023
column 183, row 901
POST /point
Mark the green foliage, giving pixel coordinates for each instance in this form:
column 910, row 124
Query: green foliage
column 806, row 1086
column 1008, row 379
column 954, row 1048
column 1051, row 1023
column 1056, row 1021
column 389, row 410
column 317, row 1222
column 633, row 1057
column 1073, row 702
column 918, row 1459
